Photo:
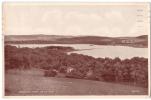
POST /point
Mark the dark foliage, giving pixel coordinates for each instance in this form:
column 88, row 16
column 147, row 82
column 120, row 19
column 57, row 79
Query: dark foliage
column 134, row 70
column 50, row 73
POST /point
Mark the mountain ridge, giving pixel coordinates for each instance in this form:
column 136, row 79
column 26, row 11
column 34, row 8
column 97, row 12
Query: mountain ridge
column 138, row 41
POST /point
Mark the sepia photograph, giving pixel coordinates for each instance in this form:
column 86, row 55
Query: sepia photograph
column 76, row 49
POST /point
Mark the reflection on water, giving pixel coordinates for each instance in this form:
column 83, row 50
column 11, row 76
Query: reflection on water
column 99, row 50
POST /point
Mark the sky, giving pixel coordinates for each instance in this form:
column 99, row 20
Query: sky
column 93, row 19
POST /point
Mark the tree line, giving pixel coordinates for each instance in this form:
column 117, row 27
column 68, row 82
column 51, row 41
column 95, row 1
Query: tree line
column 54, row 61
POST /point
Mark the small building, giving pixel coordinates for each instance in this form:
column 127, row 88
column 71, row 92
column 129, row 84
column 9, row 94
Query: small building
column 70, row 69
column 89, row 73
column 128, row 41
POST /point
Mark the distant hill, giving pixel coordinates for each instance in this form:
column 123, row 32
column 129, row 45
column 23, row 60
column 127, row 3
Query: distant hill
column 143, row 37
column 139, row 41
column 33, row 37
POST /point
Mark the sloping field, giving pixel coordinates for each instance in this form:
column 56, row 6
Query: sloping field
column 34, row 83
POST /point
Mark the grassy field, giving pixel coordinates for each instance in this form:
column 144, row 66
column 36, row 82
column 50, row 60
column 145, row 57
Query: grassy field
column 32, row 82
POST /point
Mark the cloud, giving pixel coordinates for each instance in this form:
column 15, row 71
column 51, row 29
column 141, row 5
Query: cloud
column 73, row 20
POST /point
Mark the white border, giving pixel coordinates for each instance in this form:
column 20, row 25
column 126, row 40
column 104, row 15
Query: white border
column 77, row 0
column 73, row 97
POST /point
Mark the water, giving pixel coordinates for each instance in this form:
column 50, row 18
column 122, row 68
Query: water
column 102, row 51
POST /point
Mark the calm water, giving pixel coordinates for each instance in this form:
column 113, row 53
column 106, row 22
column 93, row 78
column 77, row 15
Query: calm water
column 100, row 50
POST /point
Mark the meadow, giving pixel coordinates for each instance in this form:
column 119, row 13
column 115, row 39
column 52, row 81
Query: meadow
column 32, row 82
column 51, row 71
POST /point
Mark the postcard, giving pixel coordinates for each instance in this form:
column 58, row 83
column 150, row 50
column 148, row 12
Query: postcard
column 76, row 49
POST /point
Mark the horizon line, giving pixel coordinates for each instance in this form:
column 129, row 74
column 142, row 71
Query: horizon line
column 74, row 35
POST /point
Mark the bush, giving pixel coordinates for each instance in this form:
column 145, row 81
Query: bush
column 75, row 74
column 50, row 73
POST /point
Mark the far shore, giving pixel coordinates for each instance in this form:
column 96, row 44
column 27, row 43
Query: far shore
column 131, row 45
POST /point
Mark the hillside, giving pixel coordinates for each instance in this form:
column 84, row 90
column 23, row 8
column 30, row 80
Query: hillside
column 33, row 37
column 139, row 41
column 32, row 82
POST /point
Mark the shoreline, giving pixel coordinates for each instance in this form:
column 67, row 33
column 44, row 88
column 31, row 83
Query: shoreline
column 134, row 46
